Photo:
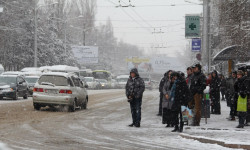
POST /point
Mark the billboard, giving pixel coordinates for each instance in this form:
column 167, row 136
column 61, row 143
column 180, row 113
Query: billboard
column 86, row 54
column 141, row 63
column 158, row 65
column 196, row 45
column 192, row 26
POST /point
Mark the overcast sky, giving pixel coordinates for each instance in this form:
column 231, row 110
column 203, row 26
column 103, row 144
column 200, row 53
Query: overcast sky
column 135, row 24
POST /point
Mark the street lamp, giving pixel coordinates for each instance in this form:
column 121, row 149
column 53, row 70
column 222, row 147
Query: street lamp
column 83, row 30
column 35, row 39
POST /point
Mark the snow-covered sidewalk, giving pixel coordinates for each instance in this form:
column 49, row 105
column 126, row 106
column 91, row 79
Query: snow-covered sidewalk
column 221, row 130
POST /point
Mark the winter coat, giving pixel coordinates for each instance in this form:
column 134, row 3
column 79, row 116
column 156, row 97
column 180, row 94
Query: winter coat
column 166, row 103
column 240, row 88
column 181, row 94
column 163, row 80
column 230, row 85
column 223, row 83
column 247, row 89
column 198, row 83
column 135, row 87
column 215, row 84
column 189, row 79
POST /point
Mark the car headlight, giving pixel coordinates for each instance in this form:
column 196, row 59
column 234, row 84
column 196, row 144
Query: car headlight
column 8, row 90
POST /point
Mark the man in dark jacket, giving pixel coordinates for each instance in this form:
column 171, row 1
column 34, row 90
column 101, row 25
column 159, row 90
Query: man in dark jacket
column 163, row 80
column 198, row 85
column 230, row 94
column 215, row 93
column 222, row 86
column 134, row 91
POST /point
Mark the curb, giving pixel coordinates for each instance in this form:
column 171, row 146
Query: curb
column 210, row 141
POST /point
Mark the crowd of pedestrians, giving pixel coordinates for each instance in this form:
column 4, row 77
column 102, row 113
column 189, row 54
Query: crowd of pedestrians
column 176, row 90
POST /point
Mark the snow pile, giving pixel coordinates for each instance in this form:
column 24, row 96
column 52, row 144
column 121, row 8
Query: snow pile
column 4, row 147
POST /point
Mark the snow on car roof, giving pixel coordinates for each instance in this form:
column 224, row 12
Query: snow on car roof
column 59, row 68
column 29, row 69
column 12, row 73
column 32, row 77
column 59, row 74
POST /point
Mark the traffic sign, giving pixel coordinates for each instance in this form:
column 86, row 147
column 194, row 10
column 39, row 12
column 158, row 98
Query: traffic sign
column 196, row 45
column 192, row 28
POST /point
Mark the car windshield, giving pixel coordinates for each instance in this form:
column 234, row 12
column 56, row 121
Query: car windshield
column 102, row 81
column 31, row 80
column 146, row 79
column 53, row 79
column 123, row 80
column 7, row 80
column 88, row 79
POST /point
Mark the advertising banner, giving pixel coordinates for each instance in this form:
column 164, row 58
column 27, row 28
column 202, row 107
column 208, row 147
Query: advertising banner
column 86, row 54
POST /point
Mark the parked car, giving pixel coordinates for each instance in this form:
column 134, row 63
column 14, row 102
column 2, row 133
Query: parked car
column 91, row 82
column 31, row 80
column 58, row 88
column 148, row 83
column 13, row 86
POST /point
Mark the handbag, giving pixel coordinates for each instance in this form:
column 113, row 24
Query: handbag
column 242, row 104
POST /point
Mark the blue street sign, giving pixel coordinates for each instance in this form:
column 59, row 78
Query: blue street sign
column 196, row 45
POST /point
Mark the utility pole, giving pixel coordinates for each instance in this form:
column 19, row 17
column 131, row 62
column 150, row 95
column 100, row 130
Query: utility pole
column 205, row 40
column 35, row 42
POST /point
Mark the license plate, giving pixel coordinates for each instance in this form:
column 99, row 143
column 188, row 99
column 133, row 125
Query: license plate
column 51, row 91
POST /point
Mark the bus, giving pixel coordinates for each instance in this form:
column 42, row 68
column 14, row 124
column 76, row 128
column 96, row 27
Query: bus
column 102, row 74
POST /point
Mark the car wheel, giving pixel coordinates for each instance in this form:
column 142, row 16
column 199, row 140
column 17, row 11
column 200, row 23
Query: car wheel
column 15, row 97
column 84, row 105
column 73, row 107
column 25, row 96
column 37, row 106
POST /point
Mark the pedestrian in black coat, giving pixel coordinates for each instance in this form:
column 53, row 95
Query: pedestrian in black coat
column 134, row 91
column 247, row 91
column 215, row 93
column 230, row 95
column 197, row 87
column 179, row 95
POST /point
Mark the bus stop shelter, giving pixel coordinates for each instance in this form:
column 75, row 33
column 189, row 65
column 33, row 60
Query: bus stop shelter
column 232, row 54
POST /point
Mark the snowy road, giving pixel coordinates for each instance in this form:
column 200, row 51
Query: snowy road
column 102, row 126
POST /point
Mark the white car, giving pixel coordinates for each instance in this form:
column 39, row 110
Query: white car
column 91, row 82
column 122, row 81
column 57, row 88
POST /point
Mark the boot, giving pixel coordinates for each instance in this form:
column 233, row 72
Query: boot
column 131, row 125
column 137, row 125
column 181, row 126
column 176, row 128
column 240, row 126
column 168, row 125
